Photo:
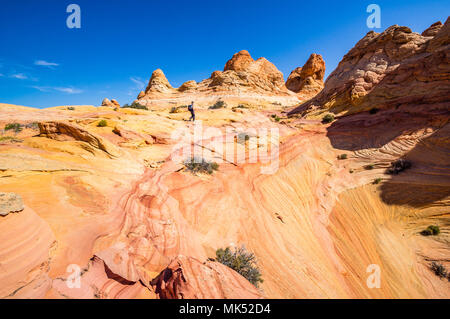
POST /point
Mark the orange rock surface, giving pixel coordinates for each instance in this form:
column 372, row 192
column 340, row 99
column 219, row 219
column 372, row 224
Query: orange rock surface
column 117, row 204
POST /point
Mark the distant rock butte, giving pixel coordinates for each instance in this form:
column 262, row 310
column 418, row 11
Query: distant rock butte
column 388, row 70
column 308, row 80
column 242, row 77
column 112, row 103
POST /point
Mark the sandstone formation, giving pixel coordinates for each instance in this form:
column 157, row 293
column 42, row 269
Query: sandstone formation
column 179, row 281
column 64, row 130
column 395, row 69
column 308, row 80
column 118, row 203
column 112, row 103
column 10, row 203
column 242, row 78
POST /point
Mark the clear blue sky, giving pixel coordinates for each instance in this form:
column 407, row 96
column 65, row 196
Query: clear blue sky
column 43, row 63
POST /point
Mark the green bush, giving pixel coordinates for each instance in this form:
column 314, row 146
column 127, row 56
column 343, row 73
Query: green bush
column 377, row 181
column 243, row 137
column 439, row 270
column 431, row 230
column 135, row 105
column 399, row 166
column 102, row 123
column 16, row 127
column 369, row 167
column 218, row 105
column 196, row 165
column 342, row 157
column 177, row 109
column 328, row 118
column 242, row 261
column 71, row 108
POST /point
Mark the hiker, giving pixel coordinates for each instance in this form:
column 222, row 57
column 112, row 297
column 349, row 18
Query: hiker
column 191, row 109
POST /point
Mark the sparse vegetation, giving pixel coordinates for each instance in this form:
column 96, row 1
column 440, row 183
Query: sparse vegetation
column 102, row 123
column 377, row 181
column 241, row 106
column 276, row 117
column 16, row 127
column 218, row 105
column 135, row 105
column 399, row 166
column 243, row 137
column 342, row 157
column 369, row 167
column 328, row 118
column 71, row 108
column 373, row 111
column 32, row 125
column 431, row 230
column 197, row 165
column 241, row 261
column 10, row 139
column 439, row 270
column 177, row 109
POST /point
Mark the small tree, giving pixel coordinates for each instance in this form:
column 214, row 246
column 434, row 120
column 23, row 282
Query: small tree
column 197, row 165
column 102, row 123
column 328, row 118
column 241, row 261
column 218, row 105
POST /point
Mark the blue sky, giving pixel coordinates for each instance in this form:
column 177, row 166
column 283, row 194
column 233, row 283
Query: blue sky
column 43, row 63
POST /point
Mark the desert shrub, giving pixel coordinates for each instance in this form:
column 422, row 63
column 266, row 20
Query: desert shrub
column 242, row 261
column 16, row 127
column 177, row 109
column 377, row 181
column 431, row 230
column 135, row 105
column 242, row 106
column 398, row 166
column 102, row 123
column 10, row 139
column 276, row 117
column 32, row 125
column 374, row 110
column 196, row 165
column 439, row 270
column 243, row 137
column 328, row 118
column 71, row 108
column 218, row 105
column 369, row 167
column 342, row 157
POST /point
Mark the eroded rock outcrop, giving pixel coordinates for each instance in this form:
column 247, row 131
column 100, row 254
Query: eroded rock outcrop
column 180, row 281
column 10, row 203
column 64, row 130
column 242, row 77
column 395, row 69
column 308, row 80
column 110, row 103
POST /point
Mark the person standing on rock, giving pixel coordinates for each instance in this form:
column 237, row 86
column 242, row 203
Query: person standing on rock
column 191, row 109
